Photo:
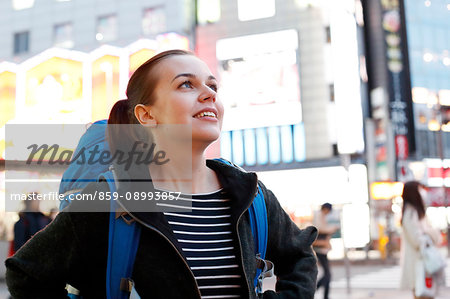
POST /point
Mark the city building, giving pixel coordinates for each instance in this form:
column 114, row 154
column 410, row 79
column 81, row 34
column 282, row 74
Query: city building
column 293, row 82
column 67, row 62
column 30, row 27
column 409, row 86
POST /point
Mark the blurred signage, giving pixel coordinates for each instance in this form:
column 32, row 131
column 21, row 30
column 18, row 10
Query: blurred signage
column 437, row 178
column 379, row 136
column 437, row 172
column 444, row 97
column 346, row 79
column 385, row 190
column 435, row 196
column 54, row 92
column 399, row 89
column 356, row 225
column 259, row 80
column 105, row 83
column 401, row 147
column 7, row 96
column 61, row 86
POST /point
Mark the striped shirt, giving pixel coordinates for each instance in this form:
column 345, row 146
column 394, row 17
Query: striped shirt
column 206, row 237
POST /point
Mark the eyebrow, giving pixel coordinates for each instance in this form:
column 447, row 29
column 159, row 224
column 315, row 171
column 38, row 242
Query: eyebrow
column 189, row 75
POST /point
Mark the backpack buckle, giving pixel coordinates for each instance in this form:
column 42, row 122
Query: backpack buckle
column 266, row 268
column 126, row 284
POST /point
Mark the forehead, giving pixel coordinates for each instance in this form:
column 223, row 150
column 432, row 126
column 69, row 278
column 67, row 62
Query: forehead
column 179, row 64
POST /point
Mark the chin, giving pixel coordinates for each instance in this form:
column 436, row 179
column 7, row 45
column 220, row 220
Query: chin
column 206, row 137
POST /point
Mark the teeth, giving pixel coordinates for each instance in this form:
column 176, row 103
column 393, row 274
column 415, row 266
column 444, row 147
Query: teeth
column 211, row 114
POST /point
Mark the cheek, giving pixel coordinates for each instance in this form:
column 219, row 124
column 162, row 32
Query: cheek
column 181, row 111
column 220, row 109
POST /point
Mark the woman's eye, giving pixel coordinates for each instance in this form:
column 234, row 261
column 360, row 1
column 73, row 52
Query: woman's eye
column 213, row 87
column 186, row 84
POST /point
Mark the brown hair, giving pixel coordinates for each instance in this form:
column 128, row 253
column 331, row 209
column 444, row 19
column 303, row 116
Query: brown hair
column 411, row 196
column 140, row 90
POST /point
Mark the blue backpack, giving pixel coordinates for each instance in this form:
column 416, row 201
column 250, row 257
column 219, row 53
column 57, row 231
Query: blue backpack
column 124, row 234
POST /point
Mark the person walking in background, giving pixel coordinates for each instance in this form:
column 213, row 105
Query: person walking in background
column 322, row 246
column 415, row 226
column 31, row 220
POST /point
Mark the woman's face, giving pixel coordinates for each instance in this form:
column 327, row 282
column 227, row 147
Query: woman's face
column 186, row 93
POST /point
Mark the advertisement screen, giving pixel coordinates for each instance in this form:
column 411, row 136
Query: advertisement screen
column 259, row 80
column 138, row 58
column 105, row 86
column 54, row 93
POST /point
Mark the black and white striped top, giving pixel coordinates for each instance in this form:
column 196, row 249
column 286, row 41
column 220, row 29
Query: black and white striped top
column 209, row 244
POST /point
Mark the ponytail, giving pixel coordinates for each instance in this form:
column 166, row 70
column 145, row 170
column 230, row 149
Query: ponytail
column 119, row 132
column 120, row 113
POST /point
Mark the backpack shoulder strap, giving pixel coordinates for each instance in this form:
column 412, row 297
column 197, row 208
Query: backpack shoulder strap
column 123, row 242
column 258, row 223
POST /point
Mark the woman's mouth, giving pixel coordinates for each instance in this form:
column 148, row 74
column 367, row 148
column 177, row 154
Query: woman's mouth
column 205, row 114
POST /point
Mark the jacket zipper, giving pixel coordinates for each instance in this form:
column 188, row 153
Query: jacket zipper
column 240, row 245
column 160, row 233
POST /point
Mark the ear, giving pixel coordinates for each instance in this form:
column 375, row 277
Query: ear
column 144, row 115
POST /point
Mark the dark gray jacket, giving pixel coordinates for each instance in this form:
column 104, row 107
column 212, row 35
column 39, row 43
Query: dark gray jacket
column 73, row 249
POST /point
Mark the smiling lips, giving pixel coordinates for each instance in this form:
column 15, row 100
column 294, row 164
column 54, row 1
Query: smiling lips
column 206, row 113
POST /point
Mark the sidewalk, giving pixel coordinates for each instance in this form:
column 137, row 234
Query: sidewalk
column 336, row 293
column 377, row 294
column 369, row 280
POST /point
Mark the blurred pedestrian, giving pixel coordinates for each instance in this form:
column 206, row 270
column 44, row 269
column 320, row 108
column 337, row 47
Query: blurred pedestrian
column 31, row 220
column 206, row 251
column 322, row 246
column 415, row 225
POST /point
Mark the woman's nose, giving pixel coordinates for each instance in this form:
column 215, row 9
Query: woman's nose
column 208, row 95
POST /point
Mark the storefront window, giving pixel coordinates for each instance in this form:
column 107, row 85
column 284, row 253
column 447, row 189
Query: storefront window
column 21, row 42
column 106, row 28
column 62, row 35
column 154, row 21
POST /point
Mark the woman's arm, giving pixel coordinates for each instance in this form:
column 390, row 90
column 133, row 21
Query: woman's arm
column 58, row 254
column 40, row 269
column 289, row 248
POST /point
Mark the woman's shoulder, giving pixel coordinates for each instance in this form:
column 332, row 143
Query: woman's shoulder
column 95, row 197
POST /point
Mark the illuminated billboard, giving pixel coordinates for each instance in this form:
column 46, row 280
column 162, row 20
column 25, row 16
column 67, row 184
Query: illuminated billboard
column 259, row 80
column 7, row 96
column 61, row 86
column 54, row 92
column 105, row 81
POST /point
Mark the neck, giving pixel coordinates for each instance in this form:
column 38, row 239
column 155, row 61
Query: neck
column 185, row 172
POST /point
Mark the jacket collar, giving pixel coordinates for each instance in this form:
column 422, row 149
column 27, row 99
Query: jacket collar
column 240, row 185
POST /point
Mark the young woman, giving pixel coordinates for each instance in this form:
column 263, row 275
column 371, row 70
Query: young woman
column 206, row 252
column 415, row 226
